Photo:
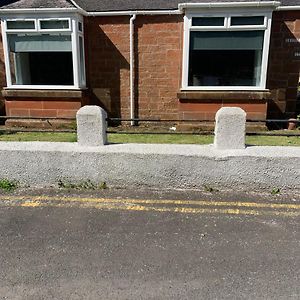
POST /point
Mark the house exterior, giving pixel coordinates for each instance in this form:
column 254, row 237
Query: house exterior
column 162, row 59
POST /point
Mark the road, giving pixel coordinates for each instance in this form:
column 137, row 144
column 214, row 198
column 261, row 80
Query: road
column 148, row 246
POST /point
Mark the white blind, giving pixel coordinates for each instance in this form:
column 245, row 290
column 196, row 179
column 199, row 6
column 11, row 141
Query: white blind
column 39, row 43
column 227, row 40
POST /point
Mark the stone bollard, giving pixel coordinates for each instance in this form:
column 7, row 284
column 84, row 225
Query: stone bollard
column 230, row 128
column 91, row 126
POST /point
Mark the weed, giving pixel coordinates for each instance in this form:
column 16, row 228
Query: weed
column 102, row 185
column 275, row 191
column 209, row 188
column 8, row 185
column 84, row 185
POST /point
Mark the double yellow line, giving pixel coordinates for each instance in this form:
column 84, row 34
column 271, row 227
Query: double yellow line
column 175, row 206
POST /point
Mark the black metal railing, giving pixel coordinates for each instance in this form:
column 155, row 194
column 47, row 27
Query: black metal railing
column 141, row 121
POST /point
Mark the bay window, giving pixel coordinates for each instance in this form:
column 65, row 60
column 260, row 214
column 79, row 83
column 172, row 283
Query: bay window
column 44, row 53
column 226, row 51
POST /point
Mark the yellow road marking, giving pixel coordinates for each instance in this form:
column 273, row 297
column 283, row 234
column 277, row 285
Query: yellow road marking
column 150, row 201
column 31, row 204
column 131, row 205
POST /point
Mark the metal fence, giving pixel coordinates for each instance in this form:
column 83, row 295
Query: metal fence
column 137, row 121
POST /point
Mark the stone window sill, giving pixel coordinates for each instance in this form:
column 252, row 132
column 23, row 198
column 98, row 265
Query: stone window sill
column 223, row 96
column 18, row 93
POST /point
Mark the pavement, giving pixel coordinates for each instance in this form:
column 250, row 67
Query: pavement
column 129, row 244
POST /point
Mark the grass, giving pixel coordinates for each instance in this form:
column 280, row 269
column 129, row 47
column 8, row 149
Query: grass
column 151, row 138
column 38, row 136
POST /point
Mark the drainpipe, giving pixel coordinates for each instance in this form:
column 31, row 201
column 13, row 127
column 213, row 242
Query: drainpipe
column 131, row 32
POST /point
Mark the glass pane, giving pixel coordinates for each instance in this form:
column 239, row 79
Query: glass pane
column 235, row 21
column 42, row 68
column 20, row 25
column 208, row 21
column 81, row 60
column 54, row 24
column 224, row 67
column 80, row 26
column 39, row 43
column 227, row 40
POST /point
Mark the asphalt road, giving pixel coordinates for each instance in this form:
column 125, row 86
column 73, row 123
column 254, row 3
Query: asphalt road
column 116, row 247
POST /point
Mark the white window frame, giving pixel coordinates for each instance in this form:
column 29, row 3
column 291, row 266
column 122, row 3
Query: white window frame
column 266, row 27
column 72, row 31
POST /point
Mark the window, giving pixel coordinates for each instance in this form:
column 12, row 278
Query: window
column 44, row 53
column 226, row 51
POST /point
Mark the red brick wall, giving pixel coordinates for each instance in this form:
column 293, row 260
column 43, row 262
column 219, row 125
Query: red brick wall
column 206, row 110
column 158, row 44
column 41, row 107
column 284, row 65
column 107, row 54
column 159, row 63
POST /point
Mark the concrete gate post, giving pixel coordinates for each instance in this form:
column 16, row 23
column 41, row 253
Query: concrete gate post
column 230, row 128
column 91, row 126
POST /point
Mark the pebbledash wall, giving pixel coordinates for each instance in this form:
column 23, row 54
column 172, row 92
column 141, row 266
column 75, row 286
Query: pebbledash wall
column 158, row 65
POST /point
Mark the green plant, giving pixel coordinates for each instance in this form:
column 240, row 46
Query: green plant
column 8, row 185
column 102, row 185
column 275, row 191
column 83, row 185
column 209, row 188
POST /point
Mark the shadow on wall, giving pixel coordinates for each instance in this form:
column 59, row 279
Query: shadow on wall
column 284, row 66
column 105, row 64
column 151, row 46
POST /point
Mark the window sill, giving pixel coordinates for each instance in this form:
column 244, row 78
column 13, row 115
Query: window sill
column 224, row 96
column 19, row 93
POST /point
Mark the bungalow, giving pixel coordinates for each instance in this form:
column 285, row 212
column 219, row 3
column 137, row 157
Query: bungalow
column 167, row 59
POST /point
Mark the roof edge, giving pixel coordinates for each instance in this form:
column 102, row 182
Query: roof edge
column 181, row 7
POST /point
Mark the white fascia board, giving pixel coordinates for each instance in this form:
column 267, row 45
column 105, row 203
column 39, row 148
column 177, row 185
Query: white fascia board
column 134, row 12
column 296, row 7
column 90, row 14
column 37, row 10
column 257, row 4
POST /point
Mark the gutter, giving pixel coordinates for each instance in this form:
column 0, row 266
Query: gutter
column 182, row 6
column 133, row 12
column 288, row 7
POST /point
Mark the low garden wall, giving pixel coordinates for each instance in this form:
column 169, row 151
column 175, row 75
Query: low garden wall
column 225, row 164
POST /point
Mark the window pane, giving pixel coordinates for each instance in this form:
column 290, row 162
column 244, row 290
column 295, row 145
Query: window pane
column 42, row 68
column 81, row 60
column 210, row 21
column 225, row 58
column 227, row 40
column 80, row 26
column 20, row 25
column 54, row 24
column 224, row 67
column 41, row 59
column 235, row 21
